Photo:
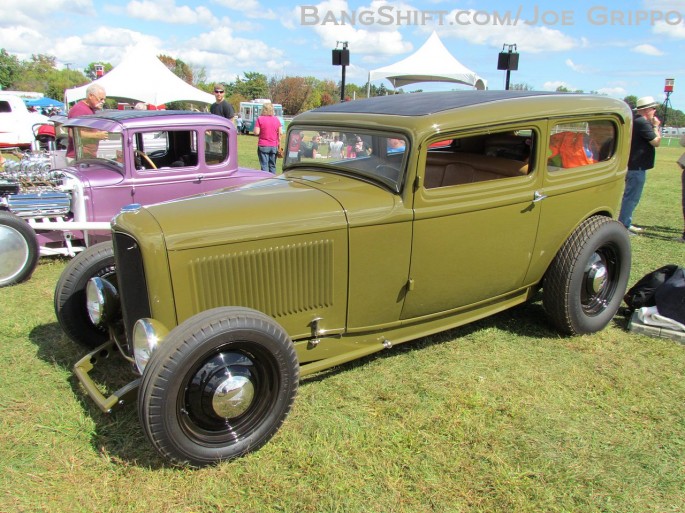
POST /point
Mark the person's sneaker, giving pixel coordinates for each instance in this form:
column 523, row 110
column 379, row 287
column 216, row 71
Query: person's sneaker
column 636, row 229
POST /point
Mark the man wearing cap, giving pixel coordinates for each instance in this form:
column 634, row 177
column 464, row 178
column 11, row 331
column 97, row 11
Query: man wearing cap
column 646, row 137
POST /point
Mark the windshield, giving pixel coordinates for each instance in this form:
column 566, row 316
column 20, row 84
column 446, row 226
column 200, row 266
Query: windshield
column 90, row 143
column 378, row 156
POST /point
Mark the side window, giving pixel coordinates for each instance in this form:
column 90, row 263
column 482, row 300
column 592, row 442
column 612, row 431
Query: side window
column 479, row 158
column 165, row 149
column 580, row 144
column 216, row 146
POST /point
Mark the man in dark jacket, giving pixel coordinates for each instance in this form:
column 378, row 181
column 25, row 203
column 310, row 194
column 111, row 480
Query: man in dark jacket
column 646, row 137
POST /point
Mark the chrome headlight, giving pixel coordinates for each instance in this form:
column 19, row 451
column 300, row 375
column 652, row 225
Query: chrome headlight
column 102, row 301
column 147, row 334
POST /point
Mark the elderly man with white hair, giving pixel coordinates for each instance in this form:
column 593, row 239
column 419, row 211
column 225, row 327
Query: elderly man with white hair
column 646, row 137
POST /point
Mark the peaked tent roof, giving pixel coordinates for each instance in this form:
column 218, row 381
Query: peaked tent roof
column 430, row 63
column 142, row 77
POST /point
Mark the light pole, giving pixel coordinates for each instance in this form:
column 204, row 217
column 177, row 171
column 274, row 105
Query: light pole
column 341, row 58
column 668, row 89
column 508, row 61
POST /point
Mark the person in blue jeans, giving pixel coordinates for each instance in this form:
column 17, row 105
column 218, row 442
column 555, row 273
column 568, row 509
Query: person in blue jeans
column 646, row 138
column 268, row 128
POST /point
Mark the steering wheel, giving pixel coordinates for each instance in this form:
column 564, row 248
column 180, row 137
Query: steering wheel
column 147, row 159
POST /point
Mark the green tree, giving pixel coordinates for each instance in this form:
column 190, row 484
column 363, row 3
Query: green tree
column 91, row 73
column 9, row 69
column 292, row 93
column 521, row 87
column 253, row 85
column 631, row 100
column 33, row 74
column 61, row 80
column 178, row 68
column 354, row 91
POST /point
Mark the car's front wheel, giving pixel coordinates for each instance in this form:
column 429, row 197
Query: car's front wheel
column 70, row 293
column 220, row 385
column 587, row 279
column 19, row 250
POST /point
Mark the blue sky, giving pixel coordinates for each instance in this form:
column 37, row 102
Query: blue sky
column 613, row 47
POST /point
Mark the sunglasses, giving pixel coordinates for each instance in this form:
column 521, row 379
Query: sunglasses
column 217, row 91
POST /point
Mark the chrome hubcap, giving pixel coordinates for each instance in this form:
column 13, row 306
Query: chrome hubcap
column 597, row 275
column 233, row 396
column 15, row 253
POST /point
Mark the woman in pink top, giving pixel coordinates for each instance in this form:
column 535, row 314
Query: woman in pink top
column 268, row 128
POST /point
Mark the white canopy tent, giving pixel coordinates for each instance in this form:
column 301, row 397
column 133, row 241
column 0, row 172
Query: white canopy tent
column 430, row 63
column 142, row 77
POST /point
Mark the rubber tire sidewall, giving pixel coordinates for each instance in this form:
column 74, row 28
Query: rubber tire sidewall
column 183, row 347
column 33, row 251
column 70, row 294
column 564, row 278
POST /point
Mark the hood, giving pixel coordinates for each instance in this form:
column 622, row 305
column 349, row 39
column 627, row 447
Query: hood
column 292, row 204
column 94, row 175
column 266, row 209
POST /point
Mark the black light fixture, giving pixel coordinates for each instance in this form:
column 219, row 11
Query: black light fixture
column 341, row 57
column 508, row 61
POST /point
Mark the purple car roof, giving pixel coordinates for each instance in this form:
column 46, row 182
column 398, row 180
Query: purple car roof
column 116, row 120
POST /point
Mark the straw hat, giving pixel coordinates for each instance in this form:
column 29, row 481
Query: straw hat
column 646, row 102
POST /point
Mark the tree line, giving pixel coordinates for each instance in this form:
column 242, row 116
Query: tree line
column 297, row 94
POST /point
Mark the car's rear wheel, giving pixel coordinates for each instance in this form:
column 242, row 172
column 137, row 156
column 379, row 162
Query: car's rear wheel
column 70, row 293
column 587, row 279
column 219, row 386
column 19, row 250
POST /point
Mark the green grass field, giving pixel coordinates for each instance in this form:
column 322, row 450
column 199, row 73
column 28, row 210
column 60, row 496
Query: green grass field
column 503, row 415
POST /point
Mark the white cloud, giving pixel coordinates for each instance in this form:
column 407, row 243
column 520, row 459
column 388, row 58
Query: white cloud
column 531, row 39
column 233, row 56
column 615, row 92
column 646, row 49
column 555, row 84
column 35, row 12
column 672, row 31
column 168, row 12
column 580, row 68
column 250, row 8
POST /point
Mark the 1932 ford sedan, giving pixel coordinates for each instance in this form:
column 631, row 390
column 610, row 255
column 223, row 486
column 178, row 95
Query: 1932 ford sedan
column 416, row 213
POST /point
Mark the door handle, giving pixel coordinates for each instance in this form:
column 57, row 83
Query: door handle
column 538, row 196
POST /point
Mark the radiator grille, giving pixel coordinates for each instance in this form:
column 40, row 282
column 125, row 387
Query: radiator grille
column 131, row 278
column 280, row 281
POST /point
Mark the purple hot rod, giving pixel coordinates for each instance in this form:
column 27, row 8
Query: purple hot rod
column 120, row 158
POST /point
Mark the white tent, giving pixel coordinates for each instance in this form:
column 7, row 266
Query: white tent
column 430, row 63
column 142, row 77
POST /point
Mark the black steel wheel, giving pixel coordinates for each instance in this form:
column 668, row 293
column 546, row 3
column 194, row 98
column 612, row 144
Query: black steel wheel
column 70, row 293
column 19, row 250
column 585, row 284
column 219, row 386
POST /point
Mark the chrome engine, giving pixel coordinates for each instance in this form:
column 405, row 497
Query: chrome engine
column 32, row 187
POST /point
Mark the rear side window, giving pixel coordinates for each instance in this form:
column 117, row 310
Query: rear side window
column 216, row 146
column 479, row 158
column 579, row 144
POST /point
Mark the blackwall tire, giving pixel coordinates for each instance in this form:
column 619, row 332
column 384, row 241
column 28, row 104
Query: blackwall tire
column 585, row 284
column 220, row 385
column 19, row 250
column 70, row 293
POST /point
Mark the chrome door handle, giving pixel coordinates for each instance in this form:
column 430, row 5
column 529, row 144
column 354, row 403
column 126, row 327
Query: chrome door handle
column 538, row 196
